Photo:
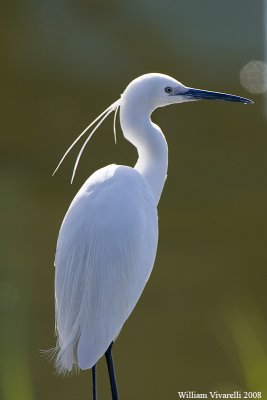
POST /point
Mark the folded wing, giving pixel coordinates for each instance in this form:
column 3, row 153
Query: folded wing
column 105, row 253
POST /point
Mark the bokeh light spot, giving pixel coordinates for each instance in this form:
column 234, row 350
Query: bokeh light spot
column 253, row 77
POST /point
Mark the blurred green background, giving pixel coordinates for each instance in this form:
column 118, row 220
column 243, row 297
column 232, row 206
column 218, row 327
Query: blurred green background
column 201, row 322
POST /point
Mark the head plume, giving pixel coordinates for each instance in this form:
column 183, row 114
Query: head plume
column 95, row 125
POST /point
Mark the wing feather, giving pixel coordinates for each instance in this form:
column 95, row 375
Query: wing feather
column 105, row 253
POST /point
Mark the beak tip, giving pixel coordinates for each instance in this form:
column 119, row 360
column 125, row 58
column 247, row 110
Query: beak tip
column 248, row 101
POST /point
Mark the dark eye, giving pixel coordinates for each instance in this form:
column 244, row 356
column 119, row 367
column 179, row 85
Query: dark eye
column 168, row 89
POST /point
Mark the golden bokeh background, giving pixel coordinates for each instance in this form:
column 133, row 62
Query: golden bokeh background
column 201, row 323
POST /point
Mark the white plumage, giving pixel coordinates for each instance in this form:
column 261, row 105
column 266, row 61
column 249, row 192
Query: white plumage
column 107, row 242
column 106, row 249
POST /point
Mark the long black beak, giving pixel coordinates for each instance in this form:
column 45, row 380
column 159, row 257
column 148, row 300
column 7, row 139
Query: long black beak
column 198, row 94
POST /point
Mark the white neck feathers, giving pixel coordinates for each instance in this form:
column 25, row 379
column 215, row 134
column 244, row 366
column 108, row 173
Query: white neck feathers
column 150, row 143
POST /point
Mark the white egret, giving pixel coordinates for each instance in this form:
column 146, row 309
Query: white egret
column 108, row 239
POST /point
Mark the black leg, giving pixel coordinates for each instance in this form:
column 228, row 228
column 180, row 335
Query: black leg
column 111, row 372
column 94, row 382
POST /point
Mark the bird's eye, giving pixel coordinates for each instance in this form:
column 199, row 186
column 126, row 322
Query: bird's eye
column 168, row 89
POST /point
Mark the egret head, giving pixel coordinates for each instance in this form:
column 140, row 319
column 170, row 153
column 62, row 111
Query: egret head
column 151, row 91
column 154, row 90
column 141, row 97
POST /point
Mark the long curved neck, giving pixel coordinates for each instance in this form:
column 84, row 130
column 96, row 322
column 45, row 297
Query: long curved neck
column 150, row 143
